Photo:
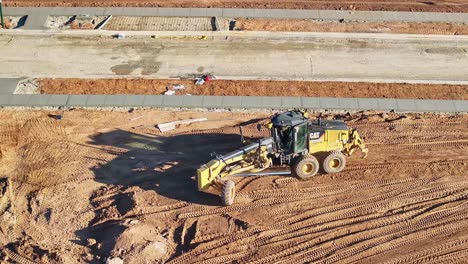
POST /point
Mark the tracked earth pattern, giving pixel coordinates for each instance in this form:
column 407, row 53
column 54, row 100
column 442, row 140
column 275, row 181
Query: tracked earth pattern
column 73, row 191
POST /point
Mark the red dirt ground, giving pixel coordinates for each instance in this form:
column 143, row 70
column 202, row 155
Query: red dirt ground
column 305, row 25
column 401, row 5
column 255, row 88
column 104, row 183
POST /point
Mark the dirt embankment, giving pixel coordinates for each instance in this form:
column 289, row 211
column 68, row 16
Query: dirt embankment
column 306, row 25
column 94, row 185
column 402, row 5
column 255, row 88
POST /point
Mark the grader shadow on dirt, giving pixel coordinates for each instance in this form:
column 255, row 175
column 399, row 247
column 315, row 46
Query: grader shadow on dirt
column 165, row 164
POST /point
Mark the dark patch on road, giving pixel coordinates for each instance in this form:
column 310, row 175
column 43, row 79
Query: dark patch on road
column 362, row 44
column 147, row 67
column 200, row 69
column 124, row 69
column 150, row 67
column 446, row 51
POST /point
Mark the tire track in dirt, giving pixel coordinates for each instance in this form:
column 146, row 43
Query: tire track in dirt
column 158, row 209
column 244, row 235
column 421, row 230
column 458, row 256
column 314, row 228
column 413, row 146
column 271, row 199
column 236, row 207
column 428, row 253
column 405, row 165
column 18, row 258
column 226, row 258
column 382, row 235
column 275, row 234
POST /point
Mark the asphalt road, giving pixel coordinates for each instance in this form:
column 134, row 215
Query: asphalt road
column 308, row 56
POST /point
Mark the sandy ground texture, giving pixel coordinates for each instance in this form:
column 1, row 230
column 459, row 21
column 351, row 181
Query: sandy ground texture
column 350, row 26
column 401, row 5
column 96, row 184
column 254, row 88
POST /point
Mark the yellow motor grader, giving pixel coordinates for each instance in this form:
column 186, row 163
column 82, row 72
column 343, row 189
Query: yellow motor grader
column 296, row 141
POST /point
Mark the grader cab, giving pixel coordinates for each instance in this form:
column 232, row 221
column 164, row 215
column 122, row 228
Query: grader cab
column 296, row 142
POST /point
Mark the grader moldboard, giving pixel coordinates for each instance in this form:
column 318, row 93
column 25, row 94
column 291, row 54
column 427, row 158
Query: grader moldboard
column 296, row 142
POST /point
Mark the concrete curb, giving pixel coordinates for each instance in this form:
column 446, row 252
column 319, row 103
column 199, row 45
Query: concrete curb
column 234, row 102
column 247, row 34
column 247, row 13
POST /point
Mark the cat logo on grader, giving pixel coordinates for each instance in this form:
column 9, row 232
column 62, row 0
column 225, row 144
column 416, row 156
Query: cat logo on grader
column 296, row 141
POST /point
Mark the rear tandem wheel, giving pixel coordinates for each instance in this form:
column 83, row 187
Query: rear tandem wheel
column 334, row 162
column 306, row 167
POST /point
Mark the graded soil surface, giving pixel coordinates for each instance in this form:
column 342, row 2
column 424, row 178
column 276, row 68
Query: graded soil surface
column 94, row 185
column 401, row 5
column 305, row 25
column 255, row 88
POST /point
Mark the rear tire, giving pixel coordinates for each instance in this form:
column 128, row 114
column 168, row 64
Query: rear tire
column 334, row 162
column 306, row 167
column 228, row 193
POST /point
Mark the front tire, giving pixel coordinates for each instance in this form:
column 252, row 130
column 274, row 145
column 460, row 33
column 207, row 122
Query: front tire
column 335, row 162
column 228, row 193
column 306, row 167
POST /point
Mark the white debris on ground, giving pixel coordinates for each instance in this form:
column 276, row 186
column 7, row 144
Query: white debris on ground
column 116, row 260
column 170, row 92
column 178, row 87
column 199, row 81
column 139, row 243
column 172, row 125
column 28, row 86
column 205, row 78
column 119, row 36
column 75, row 22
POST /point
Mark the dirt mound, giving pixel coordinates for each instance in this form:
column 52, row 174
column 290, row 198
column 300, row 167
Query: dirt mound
column 140, row 243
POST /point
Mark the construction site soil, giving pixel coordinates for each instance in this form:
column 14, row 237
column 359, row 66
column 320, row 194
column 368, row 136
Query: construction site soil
column 308, row 25
column 401, row 5
column 106, row 184
column 255, row 88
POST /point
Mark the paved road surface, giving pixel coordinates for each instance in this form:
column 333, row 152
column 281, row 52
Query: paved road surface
column 311, row 56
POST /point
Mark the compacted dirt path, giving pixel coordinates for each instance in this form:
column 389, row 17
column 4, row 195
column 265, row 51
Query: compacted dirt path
column 98, row 184
column 401, row 5
column 255, row 88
